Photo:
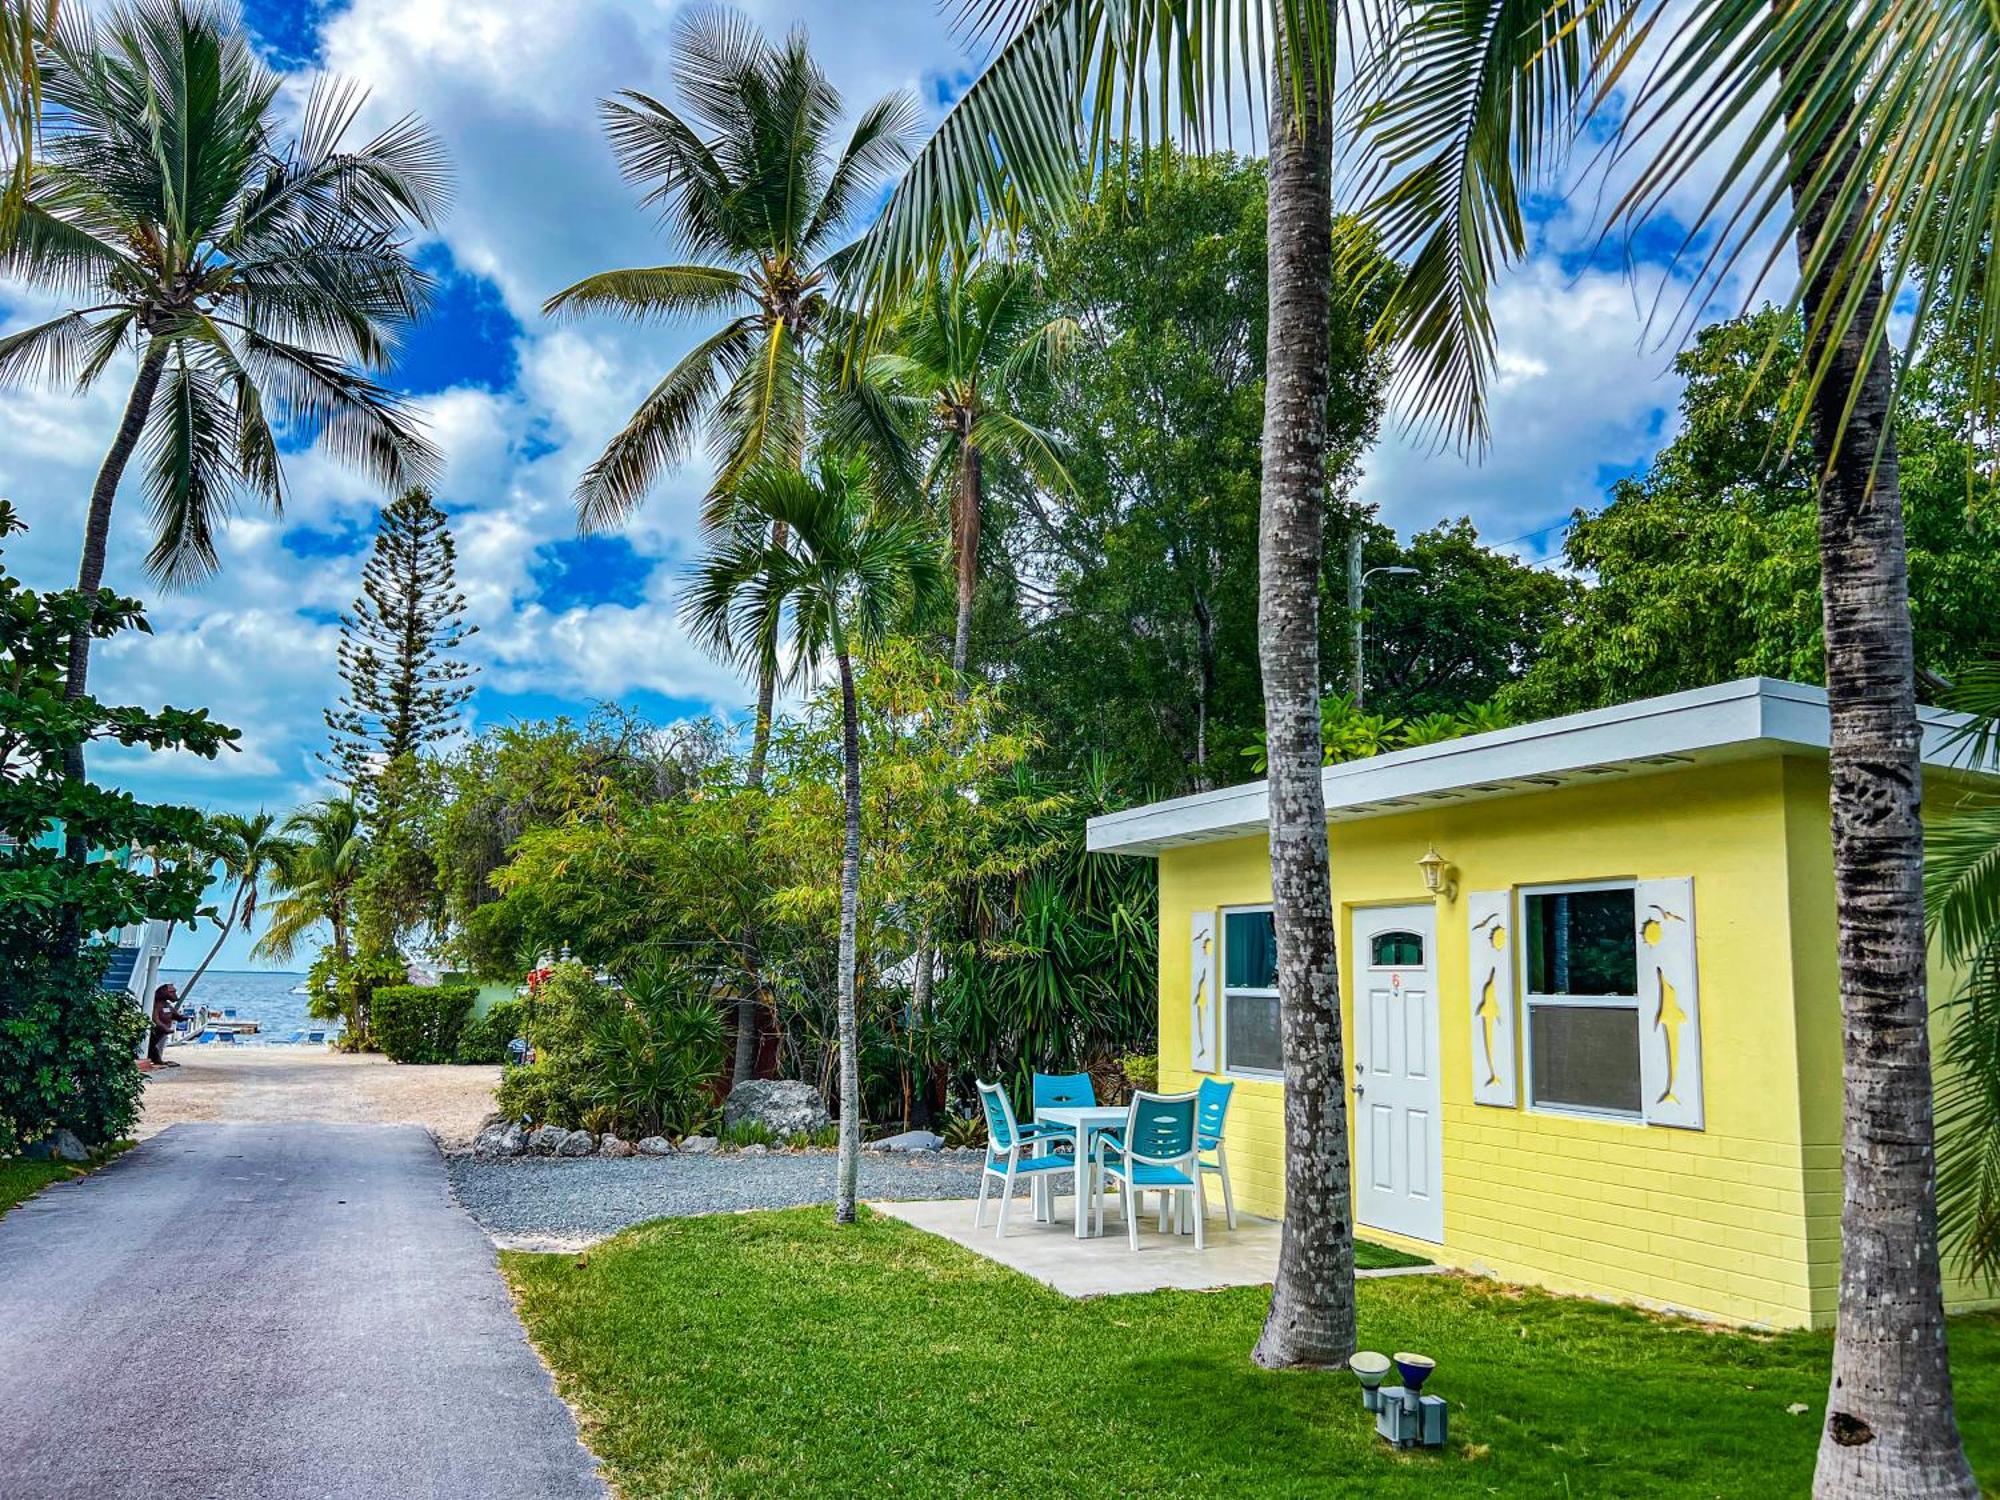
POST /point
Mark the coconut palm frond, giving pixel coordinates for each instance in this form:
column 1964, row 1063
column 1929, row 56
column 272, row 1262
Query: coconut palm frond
column 652, row 292
column 659, row 434
column 1465, row 111
column 1878, row 116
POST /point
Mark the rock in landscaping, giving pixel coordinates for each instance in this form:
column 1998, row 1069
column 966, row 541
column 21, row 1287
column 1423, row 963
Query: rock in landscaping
column 499, row 1140
column 64, row 1146
column 909, row 1140
column 756, row 1150
column 577, row 1143
column 783, row 1106
column 611, row 1145
column 656, row 1145
column 698, row 1145
column 547, row 1140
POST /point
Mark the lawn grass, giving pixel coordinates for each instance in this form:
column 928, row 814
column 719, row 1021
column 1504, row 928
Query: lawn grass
column 773, row 1354
column 20, row 1179
column 1369, row 1256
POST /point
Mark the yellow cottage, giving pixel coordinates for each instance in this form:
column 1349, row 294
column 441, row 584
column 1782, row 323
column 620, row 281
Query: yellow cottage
column 1604, row 1055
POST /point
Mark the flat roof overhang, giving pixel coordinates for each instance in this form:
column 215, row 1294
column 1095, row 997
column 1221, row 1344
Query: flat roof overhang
column 1741, row 720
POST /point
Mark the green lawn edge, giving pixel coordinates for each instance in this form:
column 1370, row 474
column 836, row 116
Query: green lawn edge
column 21, row 1179
column 775, row 1354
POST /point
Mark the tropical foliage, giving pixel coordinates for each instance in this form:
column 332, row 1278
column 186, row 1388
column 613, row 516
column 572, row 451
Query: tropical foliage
column 1962, row 898
column 751, row 184
column 820, row 570
column 1706, row 567
column 68, row 1048
column 261, row 282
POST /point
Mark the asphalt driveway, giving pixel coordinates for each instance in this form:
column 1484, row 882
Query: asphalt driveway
column 269, row 1310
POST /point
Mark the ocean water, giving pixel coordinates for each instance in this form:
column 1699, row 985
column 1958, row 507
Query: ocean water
column 264, row 996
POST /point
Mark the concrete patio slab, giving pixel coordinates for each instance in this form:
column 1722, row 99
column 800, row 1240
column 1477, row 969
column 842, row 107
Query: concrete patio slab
column 1054, row 1256
column 1105, row 1266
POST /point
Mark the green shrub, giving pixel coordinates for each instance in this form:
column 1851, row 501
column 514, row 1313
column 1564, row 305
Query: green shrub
column 485, row 1038
column 420, row 1023
column 748, row 1133
column 68, row 1052
column 345, row 992
column 1142, row 1071
column 645, row 1058
column 964, row 1130
column 533, row 1091
column 653, row 1060
column 559, row 1016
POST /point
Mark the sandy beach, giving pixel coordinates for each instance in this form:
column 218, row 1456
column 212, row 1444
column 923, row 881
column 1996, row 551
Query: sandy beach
column 264, row 1084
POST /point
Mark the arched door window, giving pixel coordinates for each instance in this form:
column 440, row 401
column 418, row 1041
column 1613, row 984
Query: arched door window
column 1396, row 950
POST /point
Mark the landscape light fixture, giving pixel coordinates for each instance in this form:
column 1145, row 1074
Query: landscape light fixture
column 1403, row 1414
column 1371, row 1369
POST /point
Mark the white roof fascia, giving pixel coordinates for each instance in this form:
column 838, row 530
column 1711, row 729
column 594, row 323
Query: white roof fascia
column 1730, row 721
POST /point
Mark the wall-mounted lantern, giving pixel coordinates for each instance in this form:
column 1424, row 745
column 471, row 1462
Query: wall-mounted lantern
column 1439, row 877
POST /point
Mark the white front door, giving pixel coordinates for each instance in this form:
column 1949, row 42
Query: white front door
column 1399, row 1150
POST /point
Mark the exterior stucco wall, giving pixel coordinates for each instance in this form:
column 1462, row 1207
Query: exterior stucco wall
column 1713, row 1222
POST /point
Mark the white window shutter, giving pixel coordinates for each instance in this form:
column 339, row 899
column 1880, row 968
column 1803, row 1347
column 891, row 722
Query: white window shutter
column 1489, row 917
column 1669, row 1003
column 1204, row 1000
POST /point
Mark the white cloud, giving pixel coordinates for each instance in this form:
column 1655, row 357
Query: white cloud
column 512, row 89
column 1575, row 393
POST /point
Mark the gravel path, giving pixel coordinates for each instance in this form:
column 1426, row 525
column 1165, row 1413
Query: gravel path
column 534, row 1203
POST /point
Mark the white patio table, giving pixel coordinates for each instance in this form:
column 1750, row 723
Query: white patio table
column 1086, row 1120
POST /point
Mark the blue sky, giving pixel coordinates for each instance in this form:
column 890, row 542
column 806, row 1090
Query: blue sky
column 519, row 405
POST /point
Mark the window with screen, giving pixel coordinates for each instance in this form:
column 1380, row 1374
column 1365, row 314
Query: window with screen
column 1580, row 980
column 1250, row 1034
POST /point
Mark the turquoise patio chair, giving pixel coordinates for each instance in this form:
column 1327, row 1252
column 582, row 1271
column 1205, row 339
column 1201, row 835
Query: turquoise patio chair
column 1008, row 1148
column 1059, row 1089
column 1211, row 1111
column 1157, row 1151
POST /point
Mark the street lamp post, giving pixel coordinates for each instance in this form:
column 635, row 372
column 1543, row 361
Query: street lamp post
column 1357, row 587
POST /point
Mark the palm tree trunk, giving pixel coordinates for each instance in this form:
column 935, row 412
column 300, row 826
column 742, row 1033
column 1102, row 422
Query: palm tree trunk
column 921, row 990
column 751, row 1005
column 965, row 541
column 1311, row 1322
column 96, row 539
column 1891, row 1428
column 850, row 903
column 767, row 687
column 97, row 529
column 228, row 926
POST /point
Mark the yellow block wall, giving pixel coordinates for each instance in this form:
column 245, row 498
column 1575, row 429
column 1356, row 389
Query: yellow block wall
column 1713, row 1222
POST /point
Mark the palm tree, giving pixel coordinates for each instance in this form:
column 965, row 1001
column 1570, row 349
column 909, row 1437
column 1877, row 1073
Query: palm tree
column 23, row 26
column 848, row 571
column 258, row 280
column 955, row 356
column 1871, row 139
column 757, row 198
column 1068, row 78
column 249, row 848
column 315, row 877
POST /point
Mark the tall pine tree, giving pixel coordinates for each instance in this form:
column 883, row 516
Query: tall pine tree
column 398, row 647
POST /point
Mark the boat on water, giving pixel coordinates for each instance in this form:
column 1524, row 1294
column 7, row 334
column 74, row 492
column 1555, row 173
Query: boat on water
column 206, row 1026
